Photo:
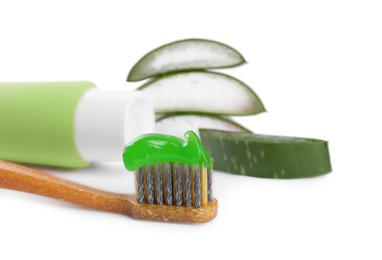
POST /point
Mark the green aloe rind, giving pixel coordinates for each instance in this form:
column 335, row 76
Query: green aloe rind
column 266, row 156
column 184, row 55
column 202, row 91
column 177, row 123
column 225, row 119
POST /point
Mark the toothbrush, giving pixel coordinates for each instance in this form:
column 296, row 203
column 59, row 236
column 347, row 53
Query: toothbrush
column 185, row 188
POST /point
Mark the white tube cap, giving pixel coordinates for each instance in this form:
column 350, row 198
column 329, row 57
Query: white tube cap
column 106, row 121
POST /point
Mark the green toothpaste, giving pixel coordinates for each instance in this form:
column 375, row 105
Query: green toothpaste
column 158, row 148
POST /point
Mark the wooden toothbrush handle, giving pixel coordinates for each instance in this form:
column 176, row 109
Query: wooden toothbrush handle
column 17, row 177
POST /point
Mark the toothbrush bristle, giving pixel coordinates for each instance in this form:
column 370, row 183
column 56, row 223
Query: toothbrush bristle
column 178, row 189
column 209, row 177
column 174, row 184
column 197, row 187
column 187, row 186
column 158, row 184
column 150, row 184
column 168, row 183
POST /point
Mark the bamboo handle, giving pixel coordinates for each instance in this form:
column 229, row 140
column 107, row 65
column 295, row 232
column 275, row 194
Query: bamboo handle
column 17, row 177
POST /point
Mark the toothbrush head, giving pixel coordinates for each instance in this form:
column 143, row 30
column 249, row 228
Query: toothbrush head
column 173, row 177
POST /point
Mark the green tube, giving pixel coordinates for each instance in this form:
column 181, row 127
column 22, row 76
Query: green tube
column 37, row 123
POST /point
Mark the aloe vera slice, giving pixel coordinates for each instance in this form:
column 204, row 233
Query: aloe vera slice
column 266, row 156
column 189, row 54
column 202, row 91
column 178, row 124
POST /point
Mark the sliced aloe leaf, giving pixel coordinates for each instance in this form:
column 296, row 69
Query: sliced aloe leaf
column 202, row 91
column 189, row 54
column 178, row 124
column 266, row 156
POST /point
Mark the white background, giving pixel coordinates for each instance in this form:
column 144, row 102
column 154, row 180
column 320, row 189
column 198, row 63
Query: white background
column 317, row 66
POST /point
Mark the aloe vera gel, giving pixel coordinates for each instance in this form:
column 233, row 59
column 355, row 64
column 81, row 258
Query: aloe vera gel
column 69, row 124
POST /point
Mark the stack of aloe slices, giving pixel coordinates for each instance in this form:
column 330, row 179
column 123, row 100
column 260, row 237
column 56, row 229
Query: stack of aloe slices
column 181, row 88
